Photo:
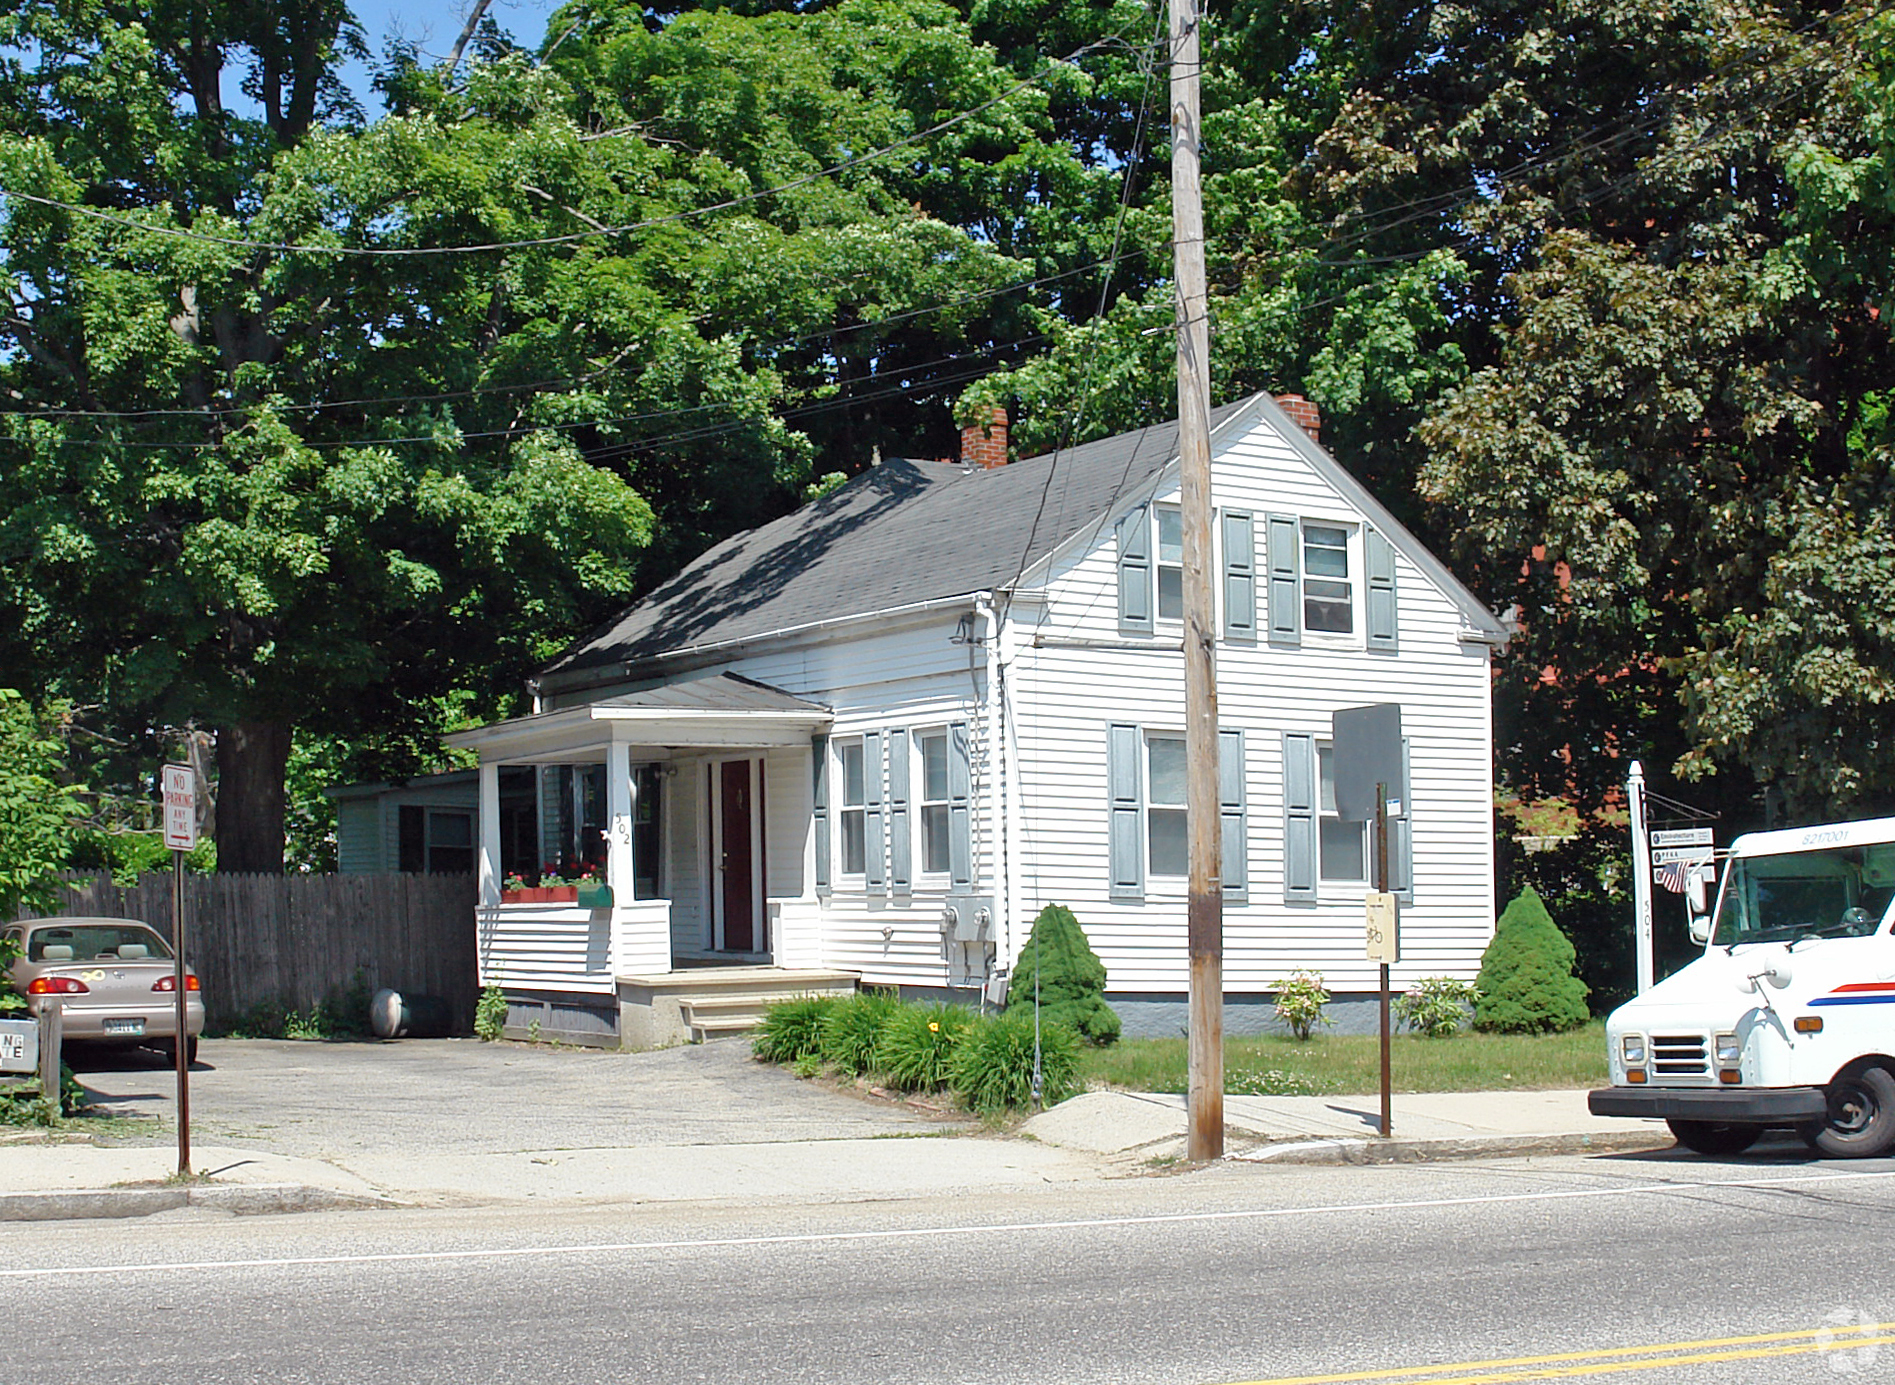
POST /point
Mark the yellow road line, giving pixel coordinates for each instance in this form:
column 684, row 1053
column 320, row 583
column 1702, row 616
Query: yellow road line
column 1610, row 1360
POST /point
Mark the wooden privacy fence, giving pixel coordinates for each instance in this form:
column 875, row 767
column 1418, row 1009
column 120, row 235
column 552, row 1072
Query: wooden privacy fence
column 298, row 939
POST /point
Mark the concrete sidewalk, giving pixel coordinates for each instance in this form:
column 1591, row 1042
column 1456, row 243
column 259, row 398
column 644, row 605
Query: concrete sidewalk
column 1096, row 1136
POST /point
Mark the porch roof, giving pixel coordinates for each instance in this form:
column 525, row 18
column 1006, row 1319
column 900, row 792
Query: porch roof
column 724, row 711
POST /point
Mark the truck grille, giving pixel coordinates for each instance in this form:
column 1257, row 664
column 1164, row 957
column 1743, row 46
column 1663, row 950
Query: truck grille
column 1680, row 1055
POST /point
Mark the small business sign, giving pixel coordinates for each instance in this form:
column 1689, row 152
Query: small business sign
column 180, row 807
column 1666, row 854
column 1683, row 836
column 19, row 1045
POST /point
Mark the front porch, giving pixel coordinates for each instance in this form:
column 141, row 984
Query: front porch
column 683, row 812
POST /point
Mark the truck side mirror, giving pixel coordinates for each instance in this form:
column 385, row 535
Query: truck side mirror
column 1700, row 929
column 1697, row 889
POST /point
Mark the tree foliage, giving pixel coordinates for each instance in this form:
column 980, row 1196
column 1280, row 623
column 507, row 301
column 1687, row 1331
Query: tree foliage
column 1526, row 983
column 1060, row 974
column 37, row 805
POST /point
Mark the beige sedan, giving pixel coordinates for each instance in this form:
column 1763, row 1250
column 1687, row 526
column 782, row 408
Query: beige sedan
column 115, row 979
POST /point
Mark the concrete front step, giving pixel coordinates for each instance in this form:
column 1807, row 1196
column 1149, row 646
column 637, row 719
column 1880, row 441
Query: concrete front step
column 684, row 1006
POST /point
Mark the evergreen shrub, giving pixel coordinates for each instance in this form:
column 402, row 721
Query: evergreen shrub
column 993, row 1063
column 918, row 1044
column 1526, row 983
column 852, row 1030
column 1071, row 978
column 792, row 1030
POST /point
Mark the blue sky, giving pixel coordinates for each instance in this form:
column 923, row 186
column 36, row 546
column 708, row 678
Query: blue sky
column 434, row 27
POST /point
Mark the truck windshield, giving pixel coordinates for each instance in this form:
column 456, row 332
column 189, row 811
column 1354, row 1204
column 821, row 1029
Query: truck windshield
column 1843, row 892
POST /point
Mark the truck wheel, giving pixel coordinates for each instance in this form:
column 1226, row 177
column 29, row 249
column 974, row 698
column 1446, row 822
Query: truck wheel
column 1861, row 1122
column 1714, row 1137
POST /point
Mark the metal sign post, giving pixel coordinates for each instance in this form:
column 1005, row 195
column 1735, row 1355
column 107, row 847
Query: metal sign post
column 1641, row 878
column 1366, row 750
column 180, row 834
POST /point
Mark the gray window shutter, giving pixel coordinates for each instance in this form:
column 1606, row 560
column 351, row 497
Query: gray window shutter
column 875, row 864
column 1125, row 806
column 1299, row 818
column 819, row 812
column 1231, row 816
column 900, row 839
column 1240, row 576
column 1379, row 560
column 960, row 809
column 1401, row 848
column 1283, row 552
column 1135, row 575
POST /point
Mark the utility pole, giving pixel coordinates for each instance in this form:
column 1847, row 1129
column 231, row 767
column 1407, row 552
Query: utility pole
column 1206, row 898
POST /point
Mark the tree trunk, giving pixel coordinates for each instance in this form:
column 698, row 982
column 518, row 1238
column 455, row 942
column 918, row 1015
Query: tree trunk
column 252, row 757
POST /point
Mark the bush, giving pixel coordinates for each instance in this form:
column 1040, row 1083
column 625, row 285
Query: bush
column 918, row 1044
column 490, row 1014
column 792, row 1029
column 1300, row 1001
column 1526, row 983
column 1435, row 1006
column 1071, row 978
column 852, row 1030
column 993, row 1063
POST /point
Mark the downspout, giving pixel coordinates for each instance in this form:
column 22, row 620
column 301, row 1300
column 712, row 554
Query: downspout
column 996, row 801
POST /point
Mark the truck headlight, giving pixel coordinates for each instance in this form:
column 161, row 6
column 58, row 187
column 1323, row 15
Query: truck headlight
column 1632, row 1050
column 1729, row 1052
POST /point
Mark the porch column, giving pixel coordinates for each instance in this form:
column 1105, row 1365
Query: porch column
column 618, row 819
column 489, row 834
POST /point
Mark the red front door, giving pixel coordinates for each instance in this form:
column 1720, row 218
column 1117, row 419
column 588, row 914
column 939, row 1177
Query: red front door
column 736, row 812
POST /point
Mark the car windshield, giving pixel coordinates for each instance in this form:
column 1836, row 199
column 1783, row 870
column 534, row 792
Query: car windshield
column 95, row 942
column 1843, row 892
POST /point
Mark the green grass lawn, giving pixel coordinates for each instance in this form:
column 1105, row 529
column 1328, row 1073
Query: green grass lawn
column 1333, row 1063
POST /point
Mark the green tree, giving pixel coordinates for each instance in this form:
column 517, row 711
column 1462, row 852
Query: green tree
column 37, row 805
column 1526, row 983
column 1060, row 974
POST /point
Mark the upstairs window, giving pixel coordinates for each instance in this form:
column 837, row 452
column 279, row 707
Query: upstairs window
column 1170, row 564
column 1328, row 587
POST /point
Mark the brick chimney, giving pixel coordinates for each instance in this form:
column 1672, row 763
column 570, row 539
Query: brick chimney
column 985, row 445
column 1303, row 413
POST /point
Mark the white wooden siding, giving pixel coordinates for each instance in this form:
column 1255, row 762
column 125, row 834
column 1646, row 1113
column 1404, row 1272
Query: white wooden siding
column 551, row 947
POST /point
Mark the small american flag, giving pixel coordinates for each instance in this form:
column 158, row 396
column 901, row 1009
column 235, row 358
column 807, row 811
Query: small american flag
column 1676, row 875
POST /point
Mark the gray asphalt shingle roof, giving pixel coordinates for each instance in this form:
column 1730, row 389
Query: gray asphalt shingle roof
column 901, row 533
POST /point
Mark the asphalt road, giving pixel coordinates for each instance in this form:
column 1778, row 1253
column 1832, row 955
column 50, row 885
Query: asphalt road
column 1658, row 1267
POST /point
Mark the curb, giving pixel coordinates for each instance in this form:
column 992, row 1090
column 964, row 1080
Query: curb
column 237, row 1199
column 1398, row 1151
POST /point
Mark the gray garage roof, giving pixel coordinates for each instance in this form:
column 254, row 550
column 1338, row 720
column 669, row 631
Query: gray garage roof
column 901, row 533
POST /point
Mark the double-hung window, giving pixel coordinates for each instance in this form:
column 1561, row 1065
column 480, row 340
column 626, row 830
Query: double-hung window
column 1343, row 852
column 1165, row 832
column 1328, row 586
column 936, row 805
column 852, row 814
column 1170, row 563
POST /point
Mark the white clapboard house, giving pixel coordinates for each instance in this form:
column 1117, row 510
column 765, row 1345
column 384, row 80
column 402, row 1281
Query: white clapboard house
column 872, row 739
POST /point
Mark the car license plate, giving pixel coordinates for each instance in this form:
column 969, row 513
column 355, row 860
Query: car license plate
column 124, row 1026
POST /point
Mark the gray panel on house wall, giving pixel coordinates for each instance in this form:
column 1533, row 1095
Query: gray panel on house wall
column 1135, row 573
column 875, row 850
column 1379, row 560
column 1232, row 816
column 1125, row 809
column 819, row 768
column 901, row 876
column 1299, row 818
column 1283, row 553
column 1240, row 576
column 960, row 808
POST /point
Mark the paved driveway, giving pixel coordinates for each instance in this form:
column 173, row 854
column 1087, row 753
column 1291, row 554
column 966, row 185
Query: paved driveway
column 460, row 1096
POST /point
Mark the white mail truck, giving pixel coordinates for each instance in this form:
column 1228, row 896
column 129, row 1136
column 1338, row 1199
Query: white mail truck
column 1788, row 1019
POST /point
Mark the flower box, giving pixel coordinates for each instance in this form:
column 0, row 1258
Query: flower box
column 541, row 894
